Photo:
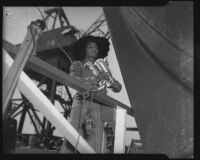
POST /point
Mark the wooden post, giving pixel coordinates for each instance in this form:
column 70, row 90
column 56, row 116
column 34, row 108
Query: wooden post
column 120, row 128
column 103, row 139
column 10, row 81
column 52, row 91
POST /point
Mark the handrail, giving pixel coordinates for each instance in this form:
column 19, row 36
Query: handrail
column 52, row 72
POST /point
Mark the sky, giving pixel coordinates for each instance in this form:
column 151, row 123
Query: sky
column 16, row 20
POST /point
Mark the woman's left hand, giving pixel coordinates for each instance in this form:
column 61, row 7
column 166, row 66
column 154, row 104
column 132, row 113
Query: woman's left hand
column 115, row 86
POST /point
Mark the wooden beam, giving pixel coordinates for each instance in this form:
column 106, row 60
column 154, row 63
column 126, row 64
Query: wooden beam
column 33, row 122
column 52, row 72
column 9, row 82
column 40, row 101
column 120, row 128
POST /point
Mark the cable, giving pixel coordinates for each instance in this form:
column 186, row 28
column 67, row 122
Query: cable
column 55, row 39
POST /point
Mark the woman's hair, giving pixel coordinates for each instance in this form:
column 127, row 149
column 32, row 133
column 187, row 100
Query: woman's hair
column 79, row 48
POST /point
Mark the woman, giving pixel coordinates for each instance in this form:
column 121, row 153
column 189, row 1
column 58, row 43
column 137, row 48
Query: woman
column 86, row 113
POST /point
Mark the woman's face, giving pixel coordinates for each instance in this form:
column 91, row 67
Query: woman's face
column 91, row 50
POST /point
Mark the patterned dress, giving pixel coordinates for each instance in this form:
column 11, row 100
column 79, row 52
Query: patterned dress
column 88, row 111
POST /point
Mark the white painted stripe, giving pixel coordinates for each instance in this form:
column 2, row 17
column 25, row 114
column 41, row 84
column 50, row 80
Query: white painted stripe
column 120, row 129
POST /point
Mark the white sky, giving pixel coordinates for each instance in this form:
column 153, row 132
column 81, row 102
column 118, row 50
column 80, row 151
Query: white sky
column 14, row 30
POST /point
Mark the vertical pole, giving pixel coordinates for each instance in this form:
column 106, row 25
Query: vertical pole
column 69, row 94
column 35, row 126
column 36, row 116
column 52, row 90
column 103, row 139
column 52, row 95
column 23, row 115
column 120, row 128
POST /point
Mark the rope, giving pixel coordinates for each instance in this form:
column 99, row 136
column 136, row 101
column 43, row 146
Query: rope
column 85, row 94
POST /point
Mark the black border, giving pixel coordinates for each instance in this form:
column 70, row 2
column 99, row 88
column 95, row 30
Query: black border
column 196, row 78
column 120, row 3
column 85, row 3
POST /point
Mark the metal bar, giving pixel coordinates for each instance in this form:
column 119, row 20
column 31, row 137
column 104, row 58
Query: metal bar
column 46, row 17
column 98, row 25
column 42, row 81
column 36, row 116
column 33, row 122
column 52, row 90
column 15, row 104
column 52, row 72
column 69, row 94
column 60, row 19
column 63, row 106
column 54, row 22
column 62, row 13
column 17, row 108
column 21, row 122
column 44, row 124
column 60, row 99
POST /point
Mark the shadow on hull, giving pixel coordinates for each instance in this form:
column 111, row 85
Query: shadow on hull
column 154, row 48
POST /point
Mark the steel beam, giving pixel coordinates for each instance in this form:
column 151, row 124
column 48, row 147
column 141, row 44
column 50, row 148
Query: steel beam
column 21, row 122
column 35, row 126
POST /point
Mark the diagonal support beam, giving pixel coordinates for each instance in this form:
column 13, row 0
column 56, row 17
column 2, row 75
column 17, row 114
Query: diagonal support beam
column 52, row 72
column 40, row 101
column 9, row 82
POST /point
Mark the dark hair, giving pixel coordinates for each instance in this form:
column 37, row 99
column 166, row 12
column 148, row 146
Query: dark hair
column 79, row 47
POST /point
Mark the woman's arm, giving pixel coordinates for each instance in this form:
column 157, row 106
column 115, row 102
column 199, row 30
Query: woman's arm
column 75, row 69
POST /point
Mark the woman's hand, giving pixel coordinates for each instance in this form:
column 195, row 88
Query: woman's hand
column 115, row 86
column 103, row 76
